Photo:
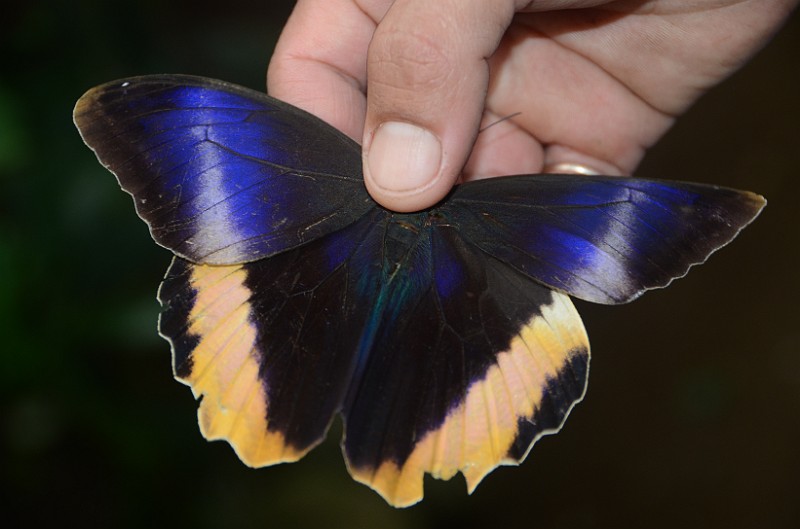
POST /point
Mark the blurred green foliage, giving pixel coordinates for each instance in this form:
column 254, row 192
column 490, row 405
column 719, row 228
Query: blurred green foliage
column 691, row 420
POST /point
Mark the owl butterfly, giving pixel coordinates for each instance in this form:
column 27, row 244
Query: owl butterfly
column 446, row 338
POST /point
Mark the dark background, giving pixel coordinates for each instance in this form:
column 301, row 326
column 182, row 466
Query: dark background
column 692, row 418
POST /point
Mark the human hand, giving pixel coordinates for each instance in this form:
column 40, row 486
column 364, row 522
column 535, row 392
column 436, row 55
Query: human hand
column 587, row 82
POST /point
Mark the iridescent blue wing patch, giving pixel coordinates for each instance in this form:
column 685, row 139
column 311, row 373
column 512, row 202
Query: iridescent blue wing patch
column 445, row 338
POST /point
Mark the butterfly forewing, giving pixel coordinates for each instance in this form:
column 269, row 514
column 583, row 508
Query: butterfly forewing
column 222, row 174
column 602, row 239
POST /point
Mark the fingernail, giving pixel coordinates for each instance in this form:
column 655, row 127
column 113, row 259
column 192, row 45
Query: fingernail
column 403, row 157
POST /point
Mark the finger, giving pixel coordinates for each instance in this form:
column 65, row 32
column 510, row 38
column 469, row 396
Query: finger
column 319, row 63
column 427, row 74
column 503, row 148
column 579, row 112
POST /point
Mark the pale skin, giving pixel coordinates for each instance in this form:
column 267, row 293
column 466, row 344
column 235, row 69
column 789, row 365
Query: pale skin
column 581, row 82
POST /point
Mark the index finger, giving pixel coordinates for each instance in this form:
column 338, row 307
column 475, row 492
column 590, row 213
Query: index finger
column 319, row 63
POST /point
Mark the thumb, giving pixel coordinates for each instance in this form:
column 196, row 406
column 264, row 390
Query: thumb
column 427, row 75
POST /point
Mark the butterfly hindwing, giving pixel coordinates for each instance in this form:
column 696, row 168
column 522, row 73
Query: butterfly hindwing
column 222, row 174
column 470, row 363
column 269, row 345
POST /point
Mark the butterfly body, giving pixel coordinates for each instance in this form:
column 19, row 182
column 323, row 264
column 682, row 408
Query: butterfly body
column 446, row 339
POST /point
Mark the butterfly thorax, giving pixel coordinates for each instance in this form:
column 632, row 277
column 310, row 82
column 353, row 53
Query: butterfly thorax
column 407, row 241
